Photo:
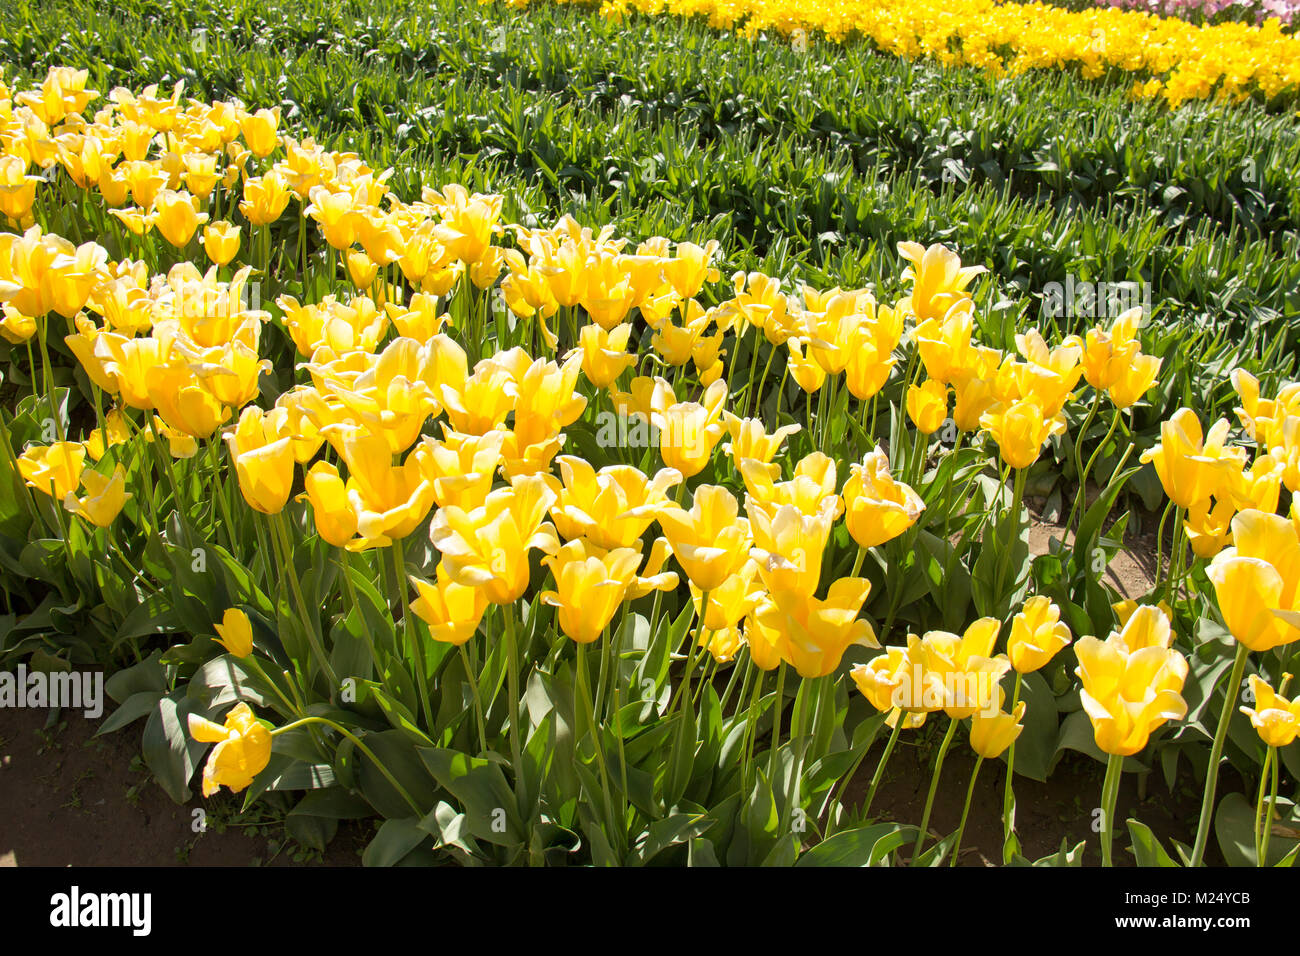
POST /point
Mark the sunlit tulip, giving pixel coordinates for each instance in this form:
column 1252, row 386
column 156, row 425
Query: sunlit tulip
column 1037, row 635
column 813, row 634
column 452, row 611
column 54, row 469
column 878, row 508
column 612, row 507
column 1108, row 353
column 1135, row 381
column 789, row 544
column 990, row 736
column 710, row 541
column 1192, row 466
column 1132, row 682
column 235, row 632
column 259, row 131
column 389, row 501
column 1257, row 581
column 1020, row 430
column 105, row 495
column 1275, row 719
column 961, row 671
column 183, row 402
column 938, row 279
column 264, row 462
column 749, row 438
column 221, row 242
column 336, row 522
column 1209, row 528
column 927, row 405
column 488, row 546
column 590, row 585
column 242, row 751
column 16, row 327
column 176, row 216
column 114, row 432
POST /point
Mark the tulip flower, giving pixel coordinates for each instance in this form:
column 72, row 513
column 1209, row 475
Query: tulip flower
column 389, row 501
column 789, row 544
column 243, row 749
column 604, row 354
column 1257, row 581
column 488, row 546
column 1131, row 682
column 749, row 438
column 878, row 508
column 710, row 541
column 1135, row 380
column 813, row 634
column 1275, row 719
column 177, row 217
column 612, row 507
column 1037, row 635
column 54, row 469
column 938, row 279
column 990, row 736
column 1192, row 466
column 688, row 431
column 452, row 611
column 104, row 498
column 591, row 583
column 331, row 508
column 235, row 632
column 1020, row 430
column 221, row 242
column 263, row 461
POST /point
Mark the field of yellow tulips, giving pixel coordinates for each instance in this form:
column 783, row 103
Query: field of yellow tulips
column 542, row 540
column 1171, row 58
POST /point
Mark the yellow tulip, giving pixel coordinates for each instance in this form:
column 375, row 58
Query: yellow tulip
column 689, row 431
column 938, row 279
column 1020, row 430
column 1108, row 354
column 710, row 541
column 452, row 611
column 1135, row 380
column 235, row 632
column 1257, row 581
column 221, row 242
column 878, row 508
column 54, row 469
column 177, row 217
column 114, row 432
column 749, row 438
column 182, row 402
column 331, row 508
column 1037, row 635
column 264, row 462
column 243, row 749
column 104, row 498
column 612, row 507
column 813, row 634
column 927, row 405
column 259, row 131
column 389, row 501
column 590, row 584
column 789, row 544
column 1209, row 529
column 604, row 354
column 1275, row 719
column 1132, row 682
column 16, row 327
column 960, row 672
column 1192, row 466
column 990, row 736
column 488, row 546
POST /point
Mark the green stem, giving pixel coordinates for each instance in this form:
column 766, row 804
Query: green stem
column 1109, row 793
column 512, row 689
column 1216, row 753
column 1008, row 795
column 412, row 638
column 965, row 811
column 478, row 702
column 1080, row 469
column 934, row 788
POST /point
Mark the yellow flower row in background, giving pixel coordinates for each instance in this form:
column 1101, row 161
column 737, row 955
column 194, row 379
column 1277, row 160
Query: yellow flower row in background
column 1171, row 58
